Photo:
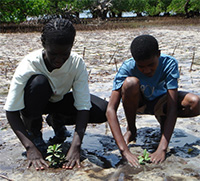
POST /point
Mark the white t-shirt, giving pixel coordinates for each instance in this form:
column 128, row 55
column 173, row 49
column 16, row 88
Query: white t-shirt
column 72, row 75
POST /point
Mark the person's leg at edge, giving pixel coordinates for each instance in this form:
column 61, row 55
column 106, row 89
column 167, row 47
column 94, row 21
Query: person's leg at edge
column 130, row 98
column 188, row 104
column 36, row 95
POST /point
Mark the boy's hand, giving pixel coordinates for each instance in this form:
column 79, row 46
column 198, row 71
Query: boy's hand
column 158, row 156
column 131, row 158
column 35, row 158
column 73, row 159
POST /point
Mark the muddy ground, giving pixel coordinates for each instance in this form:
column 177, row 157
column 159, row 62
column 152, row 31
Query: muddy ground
column 104, row 51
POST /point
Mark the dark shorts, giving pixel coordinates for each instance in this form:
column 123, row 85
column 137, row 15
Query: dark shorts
column 155, row 107
column 37, row 93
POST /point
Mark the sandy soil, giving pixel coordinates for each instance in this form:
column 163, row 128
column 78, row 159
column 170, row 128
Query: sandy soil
column 104, row 52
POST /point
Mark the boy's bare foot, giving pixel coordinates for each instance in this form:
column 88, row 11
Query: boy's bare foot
column 128, row 137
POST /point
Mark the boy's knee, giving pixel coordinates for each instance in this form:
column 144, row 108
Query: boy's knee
column 40, row 80
column 194, row 100
column 191, row 104
column 131, row 84
column 37, row 83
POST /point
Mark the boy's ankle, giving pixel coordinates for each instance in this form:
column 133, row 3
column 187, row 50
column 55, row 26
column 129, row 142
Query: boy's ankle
column 59, row 128
column 60, row 136
column 129, row 136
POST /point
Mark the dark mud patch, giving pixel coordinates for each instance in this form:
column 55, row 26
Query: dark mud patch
column 102, row 150
column 182, row 144
column 102, row 161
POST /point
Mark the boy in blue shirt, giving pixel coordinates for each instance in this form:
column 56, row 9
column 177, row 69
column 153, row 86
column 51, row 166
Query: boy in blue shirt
column 148, row 84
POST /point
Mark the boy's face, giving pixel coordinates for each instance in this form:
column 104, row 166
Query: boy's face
column 149, row 66
column 56, row 55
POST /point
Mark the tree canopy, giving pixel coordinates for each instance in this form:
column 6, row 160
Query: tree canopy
column 18, row 11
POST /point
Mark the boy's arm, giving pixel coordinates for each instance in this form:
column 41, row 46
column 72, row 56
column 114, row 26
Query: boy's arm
column 73, row 155
column 169, row 124
column 111, row 114
column 34, row 156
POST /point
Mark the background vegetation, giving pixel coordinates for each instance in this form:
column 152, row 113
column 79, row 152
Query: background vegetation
column 16, row 11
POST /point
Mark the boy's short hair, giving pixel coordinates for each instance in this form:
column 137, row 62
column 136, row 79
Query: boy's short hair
column 58, row 31
column 144, row 47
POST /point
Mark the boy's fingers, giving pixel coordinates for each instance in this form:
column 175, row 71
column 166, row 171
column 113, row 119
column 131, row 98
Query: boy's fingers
column 67, row 164
column 44, row 163
column 134, row 163
column 38, row 164
column 72, row 164
column 29, row 164
column 78, row 164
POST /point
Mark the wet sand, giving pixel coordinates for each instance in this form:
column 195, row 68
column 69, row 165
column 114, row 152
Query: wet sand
column 104, row 51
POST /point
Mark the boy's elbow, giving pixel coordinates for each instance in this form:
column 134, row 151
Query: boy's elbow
column 109, row 112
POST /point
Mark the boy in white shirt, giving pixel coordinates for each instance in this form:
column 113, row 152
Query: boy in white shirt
column 42, row 84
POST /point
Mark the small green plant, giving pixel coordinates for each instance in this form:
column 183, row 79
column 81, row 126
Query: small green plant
column 144, row 158
column 55, row 155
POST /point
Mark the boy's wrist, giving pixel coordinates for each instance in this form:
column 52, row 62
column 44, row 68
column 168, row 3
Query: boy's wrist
column 162, row 147
column 29, row 146
column 123, row 151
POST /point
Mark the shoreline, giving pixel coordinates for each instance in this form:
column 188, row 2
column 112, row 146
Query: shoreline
column 91, row 24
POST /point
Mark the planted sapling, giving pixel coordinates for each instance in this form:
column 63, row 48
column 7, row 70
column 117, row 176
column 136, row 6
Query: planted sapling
column 144, row 158
column 55, row 155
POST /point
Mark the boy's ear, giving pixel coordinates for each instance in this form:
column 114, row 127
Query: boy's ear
column 159, row 53
column 43, row 44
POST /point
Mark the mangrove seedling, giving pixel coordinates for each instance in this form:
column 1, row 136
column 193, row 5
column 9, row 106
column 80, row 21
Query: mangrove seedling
column 55, row 155
column 144, row 158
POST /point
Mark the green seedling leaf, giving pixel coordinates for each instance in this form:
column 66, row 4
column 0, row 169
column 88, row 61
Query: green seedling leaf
column 57, row 146
column 190, row 150
column 144, row 158
column 50, row 147
column 145, row 152
column 141, row 161
column 50, row 151
column 55, row 157
column 49, row 158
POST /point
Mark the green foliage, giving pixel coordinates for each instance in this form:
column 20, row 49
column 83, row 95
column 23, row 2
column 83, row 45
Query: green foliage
column 177, row 6
column 144, row 158
column 119, row 6
column 184, row 6
column 194, row 5
column 17, row 11
column 55, row 155
column 138, row 6
column 151, row 7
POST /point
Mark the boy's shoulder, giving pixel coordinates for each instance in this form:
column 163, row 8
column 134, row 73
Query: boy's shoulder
column 166, row 57
column 129, row 62
column 76, row 58
column 75, row 55
column 33, row 56
column 35, row 53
